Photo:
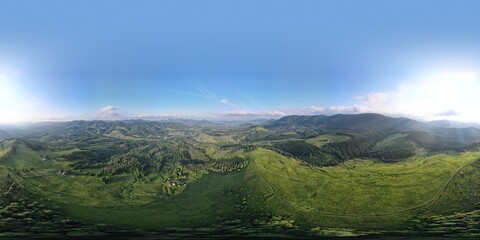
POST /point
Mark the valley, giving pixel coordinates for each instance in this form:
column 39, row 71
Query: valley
column 341, row 175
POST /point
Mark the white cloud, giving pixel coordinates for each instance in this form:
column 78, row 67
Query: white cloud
column 225, row 101
column 109, row 111
column 373, row 98
column 372, row 102
column 259, row 114
column 343, row 109
column 451, row 96
column 160, row 116
column 315, row 109
column 115, row 113
column 335, row 109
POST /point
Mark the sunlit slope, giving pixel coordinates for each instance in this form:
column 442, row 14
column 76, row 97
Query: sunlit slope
column 462, row 194
column 25, row 158
column 211, row 200
column 395, row 147
column 44, row 178
column 353, row 193
column 124, row 201
column 6, row 147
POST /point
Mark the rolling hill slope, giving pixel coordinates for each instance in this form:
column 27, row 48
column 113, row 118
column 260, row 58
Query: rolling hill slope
column 312, row 176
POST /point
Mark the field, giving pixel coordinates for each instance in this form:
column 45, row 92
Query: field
column 358, row 191
column 328, row 138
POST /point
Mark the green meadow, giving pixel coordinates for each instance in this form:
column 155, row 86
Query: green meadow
column 356, row 193
column 360, row 193
column 249, row 181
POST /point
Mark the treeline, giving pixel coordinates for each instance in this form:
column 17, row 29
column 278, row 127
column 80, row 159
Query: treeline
column 236, row 147
column 37, row 145
column 92, row 158
column 129, row 163
column 305, row 151
column 112, row 159
column 282, row 136
column 26, row 218
column 142, row 162
column 363, row 146
column 96, row 153
column 393, row 153
column 393, row 148
column 277, row 150
column 298, row 148
column 331, row 153
column 254, row 136
column 223, row 165
column 358, row 146
column 436, row 142
column 10, row 149
column 229, row 165
column 9, row 189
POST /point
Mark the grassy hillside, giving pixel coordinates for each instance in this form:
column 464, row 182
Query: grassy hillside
column 394, row 147
column 323, row 139
column 280, row 179
column 6, row 147
column 358, row 193
column 211, row 200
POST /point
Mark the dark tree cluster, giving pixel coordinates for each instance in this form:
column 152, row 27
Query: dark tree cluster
column 224, row 165
column 436, row 142
column 299, row 149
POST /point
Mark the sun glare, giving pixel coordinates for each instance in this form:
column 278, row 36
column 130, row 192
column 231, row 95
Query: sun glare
column 445, row 95
column 459, row 77
column 11, row 109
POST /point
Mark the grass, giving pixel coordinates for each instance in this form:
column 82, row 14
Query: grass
column 60, row 154
column 6, row 147
column 210, row 200
column 318, row 141
column 394, row 147
column 25, row 158
column 461, row 224
column 124, row 201
column 323, row 139
column 205, row 138
column 359, row 193
column 461, row 193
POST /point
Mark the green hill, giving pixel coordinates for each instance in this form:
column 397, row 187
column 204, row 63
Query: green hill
column 283, row 180
column 394, row 147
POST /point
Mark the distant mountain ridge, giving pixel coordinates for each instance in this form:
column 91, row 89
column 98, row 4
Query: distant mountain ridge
column 429, row 135
column 453, row 124
column 352, row 122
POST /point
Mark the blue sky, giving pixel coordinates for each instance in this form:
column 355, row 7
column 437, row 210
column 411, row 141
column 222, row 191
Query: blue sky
column 64, row 60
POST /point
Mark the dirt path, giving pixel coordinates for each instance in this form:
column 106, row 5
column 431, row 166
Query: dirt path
column 277, row 194
column 425, row 204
